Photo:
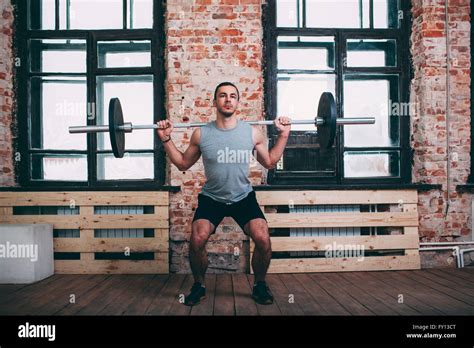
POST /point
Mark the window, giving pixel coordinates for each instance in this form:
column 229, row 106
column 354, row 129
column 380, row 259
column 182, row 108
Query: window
column 357, row 50
column 76, row 55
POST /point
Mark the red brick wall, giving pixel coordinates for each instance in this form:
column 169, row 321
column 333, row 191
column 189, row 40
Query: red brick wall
column 441, row 217
column 209, row 42
column 6, row 92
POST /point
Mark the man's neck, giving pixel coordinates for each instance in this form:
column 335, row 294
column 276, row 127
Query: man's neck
column 226, row 122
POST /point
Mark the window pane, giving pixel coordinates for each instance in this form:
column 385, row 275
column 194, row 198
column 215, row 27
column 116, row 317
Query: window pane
column 371, row 164
column 333, row 13
column 351, row 13
column 141, row 13
column 370, row 98
column 68, row 56
column 306, row 53
column 42, row 14
column 136, row 97
column 56, row 104
column 303, row 155
column 371, row 53
column 132, row 166
column 91, row 14
column 381, row 12
column 59, row 167
column 298, row 95
column 289, row 13
column 119, row 54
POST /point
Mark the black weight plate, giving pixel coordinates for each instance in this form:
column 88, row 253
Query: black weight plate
column 117, row 136
column 327, row 111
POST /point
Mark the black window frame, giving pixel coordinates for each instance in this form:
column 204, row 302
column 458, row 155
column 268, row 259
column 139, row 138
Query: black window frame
column 403, row 69
column 22, row 35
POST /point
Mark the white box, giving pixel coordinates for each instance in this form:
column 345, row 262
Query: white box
column 26, row 253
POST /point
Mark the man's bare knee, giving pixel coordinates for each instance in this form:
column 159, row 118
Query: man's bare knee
column 258, row 231
column 201, row 231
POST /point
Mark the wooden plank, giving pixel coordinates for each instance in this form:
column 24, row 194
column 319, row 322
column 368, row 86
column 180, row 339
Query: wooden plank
column 164, row 260
column 452, row 276
column 344, row 298
column 401, row 293
column 461, row 273
column 301, row 220
column 412, row 208
column 86, row 299
column 418, row 276
column 327, row 303
column 112, row 266
column 117, row 285
column 26, row 290
column 149, row 292
column 206, row 307
column 7, row 289
column 10, row 199
column 385, row 294
column 365, row 298
column 282, row 297
column 446, row 304
column 87, row 257
column 91, row 222
column 86, row 210
column 244, row 304
column 322, row 243
column 178, row 307
column 133, row 289
column 6, row 211
column 25, row 301
column 373, row 263
column 224, row 296
column 169, row 294
column 301, row 297
column 337, row 197
column 412, row 231
column 110, row 245
column 60, row 298
column 460, row 286
column 84, row 236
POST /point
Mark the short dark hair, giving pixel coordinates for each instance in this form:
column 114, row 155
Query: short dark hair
column 226, row 84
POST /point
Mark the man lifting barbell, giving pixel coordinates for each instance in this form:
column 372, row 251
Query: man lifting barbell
column 227, row 190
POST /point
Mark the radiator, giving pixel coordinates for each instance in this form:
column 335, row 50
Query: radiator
column 105, row 233
column 322, row 231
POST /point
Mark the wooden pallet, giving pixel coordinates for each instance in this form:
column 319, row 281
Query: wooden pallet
column 406, row 219
column 86, row 221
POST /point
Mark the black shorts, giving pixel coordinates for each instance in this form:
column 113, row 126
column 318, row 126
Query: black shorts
column 242, row 211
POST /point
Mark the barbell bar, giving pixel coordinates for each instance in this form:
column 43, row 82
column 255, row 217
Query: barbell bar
column 325, row 121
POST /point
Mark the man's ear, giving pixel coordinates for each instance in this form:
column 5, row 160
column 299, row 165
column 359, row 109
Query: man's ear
column 214, row 102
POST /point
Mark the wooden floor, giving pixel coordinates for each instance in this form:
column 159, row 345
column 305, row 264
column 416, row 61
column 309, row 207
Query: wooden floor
column 423, row 292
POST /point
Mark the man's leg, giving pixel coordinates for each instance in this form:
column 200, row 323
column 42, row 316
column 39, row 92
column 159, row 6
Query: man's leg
column 257, row 229
column 201, row 231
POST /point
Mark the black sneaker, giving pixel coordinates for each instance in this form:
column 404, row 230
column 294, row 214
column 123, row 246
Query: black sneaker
column 262, row 294
column 198, row 293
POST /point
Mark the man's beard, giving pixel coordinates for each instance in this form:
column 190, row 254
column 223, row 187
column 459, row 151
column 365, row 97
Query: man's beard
column 227, row 113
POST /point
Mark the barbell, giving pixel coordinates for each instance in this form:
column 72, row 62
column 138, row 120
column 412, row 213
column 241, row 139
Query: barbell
column 325, row 121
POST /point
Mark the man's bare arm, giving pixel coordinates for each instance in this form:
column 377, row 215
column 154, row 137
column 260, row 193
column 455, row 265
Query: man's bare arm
column 181, row 160
column 266, row 158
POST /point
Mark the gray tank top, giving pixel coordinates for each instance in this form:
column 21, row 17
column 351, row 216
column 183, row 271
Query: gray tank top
column 226, row 155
